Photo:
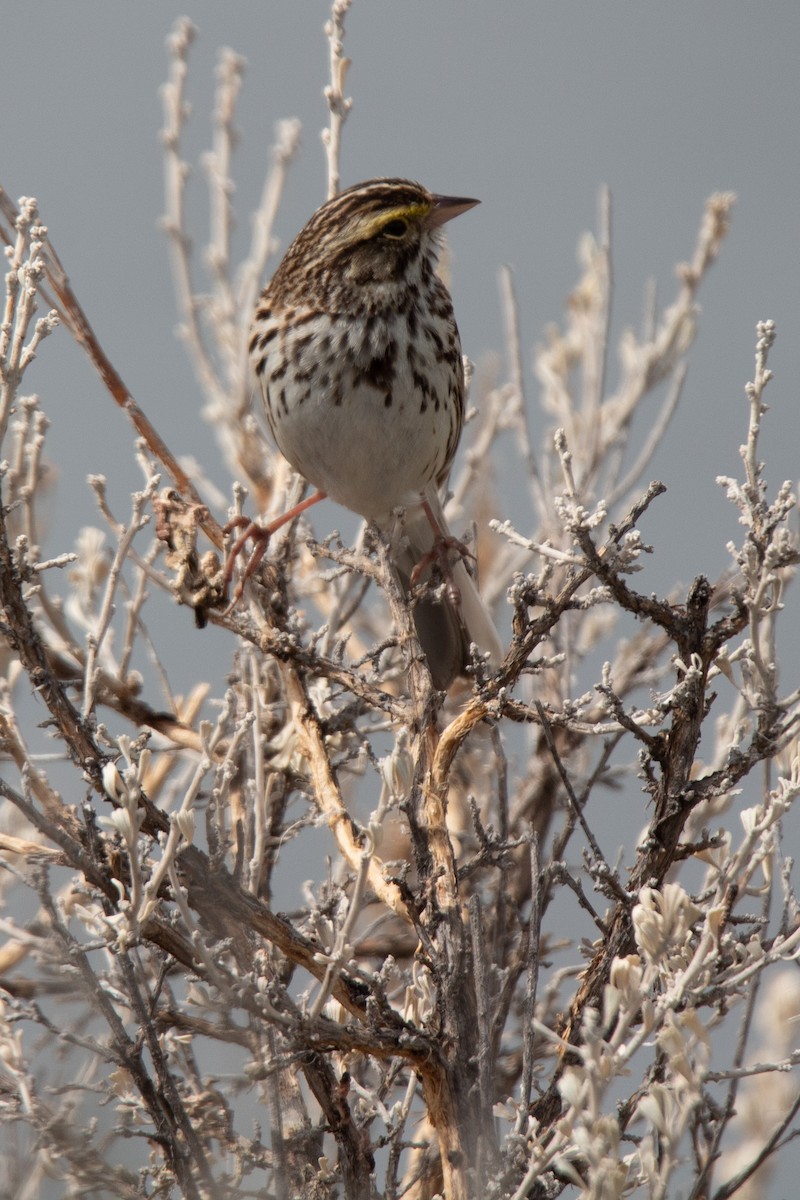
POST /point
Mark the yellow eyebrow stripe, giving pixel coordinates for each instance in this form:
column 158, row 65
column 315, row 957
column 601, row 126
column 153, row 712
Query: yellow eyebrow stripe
column 369, row 226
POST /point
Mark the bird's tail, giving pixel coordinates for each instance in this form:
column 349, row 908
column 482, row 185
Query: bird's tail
column 456, row 616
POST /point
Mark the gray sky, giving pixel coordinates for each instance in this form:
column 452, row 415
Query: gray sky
column 529, row 107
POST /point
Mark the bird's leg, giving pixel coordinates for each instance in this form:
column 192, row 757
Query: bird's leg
column 443, row 545
column 260, row 535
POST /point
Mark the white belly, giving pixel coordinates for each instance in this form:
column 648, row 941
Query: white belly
column 369, row 448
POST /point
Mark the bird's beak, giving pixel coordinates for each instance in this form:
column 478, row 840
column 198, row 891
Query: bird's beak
column 446, row 207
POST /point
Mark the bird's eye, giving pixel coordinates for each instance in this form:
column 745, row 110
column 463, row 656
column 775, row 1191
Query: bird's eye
column 395, row 228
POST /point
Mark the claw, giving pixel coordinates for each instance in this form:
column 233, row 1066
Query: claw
column 260, row 535
column 439, row 555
